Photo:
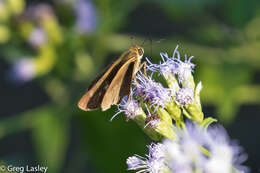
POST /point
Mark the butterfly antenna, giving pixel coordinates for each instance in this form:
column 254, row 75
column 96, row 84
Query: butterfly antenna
column 132, row 38
column 143, row 42
column 159, row 41
column 151, row 42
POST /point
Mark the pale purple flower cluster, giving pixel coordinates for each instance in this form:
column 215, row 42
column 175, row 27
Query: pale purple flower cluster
column 86, row 13
column 167, row 67
column 184, row 69
column 151, row 91
column 129, row 106
column 152, row 120
column 223, row 152
column 173, row 65
column 195, row 148
column 37, row 37
column 154, row 162
column 22, row 71
column 224, row 156
column 186, row 156
column 184, row 96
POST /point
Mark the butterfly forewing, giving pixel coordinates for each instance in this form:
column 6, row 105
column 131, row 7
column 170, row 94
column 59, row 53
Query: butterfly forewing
column 126, row 84
column 93, row 98
column 113, row 95
column 112, row 85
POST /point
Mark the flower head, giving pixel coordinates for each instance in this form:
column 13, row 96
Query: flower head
column 86, row 16
column 157, row 151
column 129, row 106
column 152, row 120
column 184, row 96
column 196, row 150
column 184, row 69
column 223, row 152
column 167, row 67
column 151, row 91
column 136, row 162
column 154, row 162
column 22, row 71
column 174, row 66
column 37, row 37
column 186, row 153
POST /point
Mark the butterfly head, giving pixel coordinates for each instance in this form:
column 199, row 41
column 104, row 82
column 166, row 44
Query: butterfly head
column 138, row 49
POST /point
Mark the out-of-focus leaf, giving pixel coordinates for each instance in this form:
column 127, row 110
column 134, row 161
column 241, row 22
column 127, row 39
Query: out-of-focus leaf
column 181, row 9
column 20, row 122
column 220, row 86
column 110, row 143
column 4, row 34
column 252, row 29
column 50, row 138
column 240, row 12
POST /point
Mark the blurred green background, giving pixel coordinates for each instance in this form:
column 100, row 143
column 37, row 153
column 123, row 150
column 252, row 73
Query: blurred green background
column 51, row 50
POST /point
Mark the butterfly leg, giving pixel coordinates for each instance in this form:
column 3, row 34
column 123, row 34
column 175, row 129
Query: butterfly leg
column 143, row 65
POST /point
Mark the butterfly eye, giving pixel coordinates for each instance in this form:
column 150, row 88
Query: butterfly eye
column 140, row 51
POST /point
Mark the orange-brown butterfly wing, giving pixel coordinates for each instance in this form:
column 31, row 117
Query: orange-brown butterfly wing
column 120, row 85
column 113, row 84
column 93, row 97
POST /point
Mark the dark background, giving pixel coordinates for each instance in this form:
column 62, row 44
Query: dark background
column 40, row 122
